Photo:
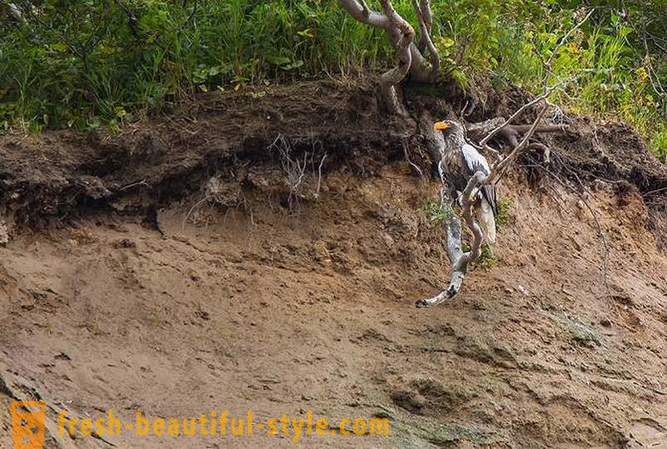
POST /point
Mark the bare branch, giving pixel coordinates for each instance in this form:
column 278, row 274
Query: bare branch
column 427, row 14
column 421, row 69
column 455, row 254
column 360, row 11
column 653, row 192
column 412, row 164
column 365, row 8
column 319, row 176
column 544, row 95
column 482, row 128
column 402, row 36
column 425, row 17
column 498, row 169
column 410, row 58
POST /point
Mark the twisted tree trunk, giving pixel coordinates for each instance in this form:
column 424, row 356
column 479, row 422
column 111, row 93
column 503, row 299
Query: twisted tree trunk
column 410, row 58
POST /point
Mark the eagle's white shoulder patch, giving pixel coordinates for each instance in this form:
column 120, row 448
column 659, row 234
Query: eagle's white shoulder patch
column 474, row 159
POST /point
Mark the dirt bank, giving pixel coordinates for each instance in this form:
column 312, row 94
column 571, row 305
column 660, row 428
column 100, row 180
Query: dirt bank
column 134, row 282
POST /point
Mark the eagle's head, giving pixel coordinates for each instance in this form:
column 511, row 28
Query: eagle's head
column 452, row 132
column 448, row 127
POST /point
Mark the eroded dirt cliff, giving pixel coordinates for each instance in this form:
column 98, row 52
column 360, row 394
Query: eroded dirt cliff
column 132, row 281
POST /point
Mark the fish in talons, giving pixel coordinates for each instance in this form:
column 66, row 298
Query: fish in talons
column 460, row 161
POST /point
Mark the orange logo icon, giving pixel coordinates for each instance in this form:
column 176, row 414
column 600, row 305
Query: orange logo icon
column 28, row 419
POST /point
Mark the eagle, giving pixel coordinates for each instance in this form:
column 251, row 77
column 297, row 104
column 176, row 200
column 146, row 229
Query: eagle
column 459, row 162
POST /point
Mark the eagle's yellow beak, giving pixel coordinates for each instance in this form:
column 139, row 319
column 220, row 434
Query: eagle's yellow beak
column 440, row 126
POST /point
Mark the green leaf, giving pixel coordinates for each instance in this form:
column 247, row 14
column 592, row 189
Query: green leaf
column 278, row 60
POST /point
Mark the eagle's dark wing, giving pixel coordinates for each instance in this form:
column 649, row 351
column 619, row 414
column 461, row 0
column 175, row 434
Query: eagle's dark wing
column 454, row 170
column 489, row 192
column 475, row 162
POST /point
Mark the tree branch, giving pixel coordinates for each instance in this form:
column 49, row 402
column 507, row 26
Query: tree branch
column 425, row 17
column 498, row 169
column 544, row 95
column 547, row 90
column 401, row 33
column 360, row 11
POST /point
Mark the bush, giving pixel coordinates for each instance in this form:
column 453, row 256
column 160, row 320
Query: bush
column 436, row 212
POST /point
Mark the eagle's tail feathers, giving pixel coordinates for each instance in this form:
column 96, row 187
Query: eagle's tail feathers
column 487, row 221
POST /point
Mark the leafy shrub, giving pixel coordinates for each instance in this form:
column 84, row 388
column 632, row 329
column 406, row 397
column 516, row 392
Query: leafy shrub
column 486, row 259
column 503, row 215
column 436, row 212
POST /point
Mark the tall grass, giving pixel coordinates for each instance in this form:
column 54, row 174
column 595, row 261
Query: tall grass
column 56, row 72
column 85, row 63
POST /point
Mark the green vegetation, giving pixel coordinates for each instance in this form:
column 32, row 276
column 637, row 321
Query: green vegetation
column 503, row 215
column 487, row 259
column 84, row 63
column 436, row 212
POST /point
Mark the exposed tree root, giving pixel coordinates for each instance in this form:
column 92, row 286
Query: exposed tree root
column 410, row 57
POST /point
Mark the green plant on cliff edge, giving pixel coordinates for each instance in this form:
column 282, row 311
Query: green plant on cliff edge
column 86, row 63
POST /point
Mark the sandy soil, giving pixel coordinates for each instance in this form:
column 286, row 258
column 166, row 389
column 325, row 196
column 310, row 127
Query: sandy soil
column 239, row 303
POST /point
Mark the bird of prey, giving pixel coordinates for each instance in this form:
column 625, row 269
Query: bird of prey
column 460, row 161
